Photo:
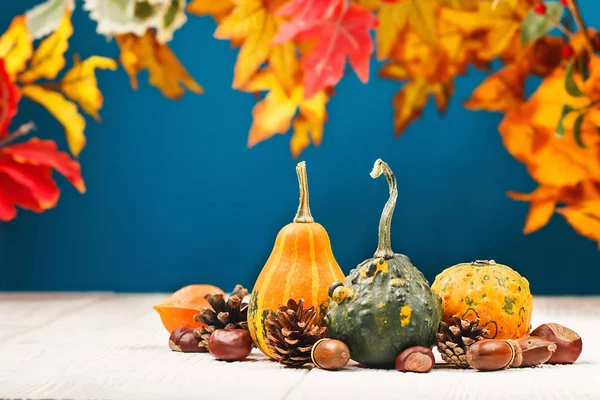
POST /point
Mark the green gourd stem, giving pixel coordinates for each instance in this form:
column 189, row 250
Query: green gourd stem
column 303, row 214
column 384, row 245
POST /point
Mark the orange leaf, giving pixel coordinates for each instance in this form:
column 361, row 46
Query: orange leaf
column 179, row 309
column 543, row 203
column 500, row 91
column 216, row 8
column 584, row 218
column 26, row 176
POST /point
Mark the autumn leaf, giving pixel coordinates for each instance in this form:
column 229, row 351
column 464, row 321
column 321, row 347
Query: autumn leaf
column 48, row 59
column 543, row 203
column 341, row 31
column 218, row 9
column 81, row 86
column 584, row 218
column 165, row 70
column 500, row 91
column 254, row 24
column 274, row 114
column 26, row 176
column 9, row 98
column 412, row 98
column 15, row 46
column 419, row 15
column 64, row 111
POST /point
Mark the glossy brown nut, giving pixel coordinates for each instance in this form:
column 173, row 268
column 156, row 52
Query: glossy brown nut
column 330, row 354
column 415, row 359
column 491, row 355
column 230, row 344
column 534, row 350
column 568, row 342
column 182, row 339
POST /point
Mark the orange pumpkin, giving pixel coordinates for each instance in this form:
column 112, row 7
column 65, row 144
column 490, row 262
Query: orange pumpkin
column 494, row 293
column 301, row 265
column 179, row 309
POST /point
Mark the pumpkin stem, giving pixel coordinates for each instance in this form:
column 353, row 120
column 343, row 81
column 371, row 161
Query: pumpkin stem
column 384, row 245
column 303, row 214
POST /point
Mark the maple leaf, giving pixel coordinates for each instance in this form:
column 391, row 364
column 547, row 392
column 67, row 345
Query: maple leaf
column 419, row 15
column 218, row 9
column 80, row 84
column 543, row 203
column 341, row 31
column 26, row 176
column 584, row 218
column 15, row 46
column 253, row 23
column 274, row 114
column 64, row 111
column 48, row 59
column 165, row 71
column 500, row 91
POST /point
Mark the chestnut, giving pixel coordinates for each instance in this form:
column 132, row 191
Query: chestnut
column 330, row 354
column 230, row 344
column 492, row 355
column 415, row 359
column 568, row 342
column 182, row 339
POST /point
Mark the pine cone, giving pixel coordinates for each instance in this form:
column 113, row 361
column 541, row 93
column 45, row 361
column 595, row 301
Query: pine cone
column 454, row 340
column 291, row 333
column 222, row 314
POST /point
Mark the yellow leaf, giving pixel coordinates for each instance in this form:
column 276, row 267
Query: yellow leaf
column 419, row 15
column 372, row 5
column 165, row 71
column 305, row 132
column 584, row 218
column 412, row 98
column 15, row 46
column 49, row 57
column 80, row 84
column 254, row 25
column 460, row 4
column 215, row 8
column 500, row 91
column 64, row 111
column 274, row 114
column 543, row 203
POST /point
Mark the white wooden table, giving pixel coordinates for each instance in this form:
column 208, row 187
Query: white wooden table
column 107, row 346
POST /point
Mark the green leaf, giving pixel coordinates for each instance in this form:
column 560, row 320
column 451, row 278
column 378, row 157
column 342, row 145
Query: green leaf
column 44, row 18
column 570, row 84
column 560, row 129
column 577, row 130
column 535, row 26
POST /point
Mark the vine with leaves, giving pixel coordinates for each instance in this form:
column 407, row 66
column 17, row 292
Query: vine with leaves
column 292, row 54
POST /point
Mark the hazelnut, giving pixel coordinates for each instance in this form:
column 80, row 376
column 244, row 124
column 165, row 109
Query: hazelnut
column 491, row 355
column 183, row 339
column 415, row 359
column 330, row 354
column 230, row 344
column 533, row 350
column 568, row 342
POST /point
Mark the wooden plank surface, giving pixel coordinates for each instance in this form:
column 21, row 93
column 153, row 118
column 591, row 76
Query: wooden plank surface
column 105, row 346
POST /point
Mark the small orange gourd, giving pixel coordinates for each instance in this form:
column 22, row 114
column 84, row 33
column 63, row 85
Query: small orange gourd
column 301, row 265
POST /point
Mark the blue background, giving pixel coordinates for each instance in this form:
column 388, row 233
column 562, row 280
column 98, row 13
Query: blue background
column 175, row 197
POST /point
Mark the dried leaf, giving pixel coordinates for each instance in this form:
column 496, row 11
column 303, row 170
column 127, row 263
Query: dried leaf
column 81, row 86
column 64, row 111
column 26, row 176
column 165, row 70
column 501, row 91
column 48, row 59
column 15, row 46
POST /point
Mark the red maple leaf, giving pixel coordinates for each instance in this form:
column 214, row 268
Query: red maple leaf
column 340, row 29
column 26, row 168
